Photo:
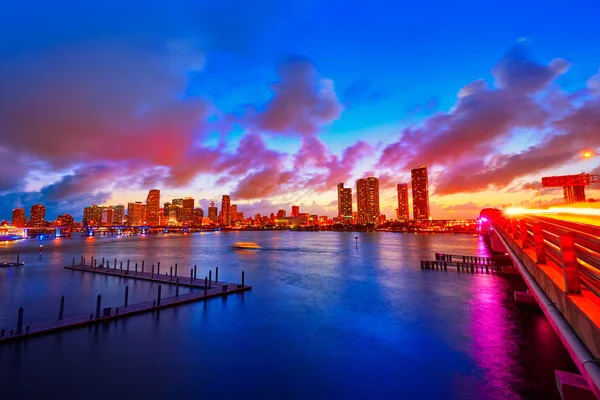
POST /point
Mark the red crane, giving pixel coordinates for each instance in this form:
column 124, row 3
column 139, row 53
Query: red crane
column 573, row 185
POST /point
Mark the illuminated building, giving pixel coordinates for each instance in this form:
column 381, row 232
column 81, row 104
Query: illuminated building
column 281, row 214
column 166, row 209
column 344, row 204
column 119, row 214
column 403, row 212
column 187, row 210
column 226, row 210
column 198, row 216
column 38, row 215
column 163, row 220
column 135, row 213
column 65, row 220
column 295, row 211
column 257, row 219
column 272, row 218
column 420, row 193
column 152, row 207
column 314, row 220
column 233, row 213
column 212, row 212
column 367, row 200
column 240, row 216
column 18, row 218
column 108, row 214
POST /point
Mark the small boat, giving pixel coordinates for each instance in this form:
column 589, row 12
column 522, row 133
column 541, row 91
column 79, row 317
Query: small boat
column 246, row 246
column 11, row 264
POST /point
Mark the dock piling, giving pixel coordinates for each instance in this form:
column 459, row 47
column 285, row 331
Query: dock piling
column 126, row 295
column 158, row 268
column 98, row 302
column 72, row 265
column 103, row 263
column 158, row 298
column 216, row 274
column 205, row 285
column 195, row 270
column 175, row 269
column 121, row 267
column 171, row 274
column 20, row 321
column 128, row 265
column 81, row 262
column 127, row 268
column 243, row 276
column 62, row 307
column 135, row 269
column 152, row 276
column 191, row 275
column 177, row 287
column 210, row 278
column 142, row 266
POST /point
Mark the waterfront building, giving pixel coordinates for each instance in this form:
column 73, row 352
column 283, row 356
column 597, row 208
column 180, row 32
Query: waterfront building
column 281, row 214
column 344, row 204
column 212, row 212
column 403, row 211
column 240, row 216
column 38, row 215
column 367, row 200
column 233, row 213
column 152, row 207
column 420, row 193
column 119, row 214
column 198, row 216
column 187, row 210
column 108, row 214
column 18, row 218
column 135, row 213
column 295, row 211
column 65, row 220
column 226, row 210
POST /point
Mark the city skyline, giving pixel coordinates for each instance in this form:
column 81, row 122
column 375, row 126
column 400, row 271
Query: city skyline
column 269, row 114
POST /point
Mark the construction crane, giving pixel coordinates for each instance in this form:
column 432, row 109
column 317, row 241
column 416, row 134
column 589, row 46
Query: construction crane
column 573, row 185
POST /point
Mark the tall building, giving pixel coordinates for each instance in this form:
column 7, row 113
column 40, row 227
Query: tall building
column 187, row 210
column 295, row 211
column 281, row 214
column 198, row 216
column 119, row 214
column 38, row 215
column 403, row 213
column 152, row 207
column 212, row 212
column 108, row 215
column 226, row 210
column 233, row 213
column 135, row 213
column 65, row 220
column 420, row 193
column 18, row 217
column 344, row 204
column 367, row 200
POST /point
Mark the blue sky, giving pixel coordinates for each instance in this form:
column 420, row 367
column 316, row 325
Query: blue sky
column 389, row 65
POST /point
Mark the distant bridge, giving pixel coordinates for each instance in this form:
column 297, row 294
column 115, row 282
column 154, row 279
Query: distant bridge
column 560, row 263
column 59, row 231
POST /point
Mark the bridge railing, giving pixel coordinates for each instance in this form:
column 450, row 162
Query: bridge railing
column 573, row 247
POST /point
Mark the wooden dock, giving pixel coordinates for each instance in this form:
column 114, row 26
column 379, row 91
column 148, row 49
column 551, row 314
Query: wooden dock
column 461, row 267
column 207, row 289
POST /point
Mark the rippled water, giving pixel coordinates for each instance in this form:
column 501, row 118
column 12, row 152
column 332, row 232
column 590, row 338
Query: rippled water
column 327, row 318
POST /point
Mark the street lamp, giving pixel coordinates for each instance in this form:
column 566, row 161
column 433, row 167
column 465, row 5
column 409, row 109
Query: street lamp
column 539, row 195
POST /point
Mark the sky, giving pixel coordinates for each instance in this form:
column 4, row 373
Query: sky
column 275, row 102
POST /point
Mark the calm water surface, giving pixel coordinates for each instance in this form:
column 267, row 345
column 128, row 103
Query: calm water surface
column 327, row 318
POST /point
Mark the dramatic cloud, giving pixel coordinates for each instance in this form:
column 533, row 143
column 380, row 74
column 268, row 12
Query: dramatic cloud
column 302, row 101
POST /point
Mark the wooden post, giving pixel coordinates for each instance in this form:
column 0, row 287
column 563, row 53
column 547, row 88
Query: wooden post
column 195, row 270
column 210, row 278
column 116, row 262
column 20, row 321
column 73, row 266
column 570, row 264
column 158, row 298
column 177, row 287
column 142, row 266
column 243, row 276
column 524, row 235
column 158, row 268
column 81, row 263
column 191, row 275
column 216, row 274
column 121, row 267
column 103, row 262
column 152, row 275
column 171, row 274
column 62, row 307
column 92, row 262
column 127, row 267
column 175, row 269
column 126, row 295
column 135, row 269
column 538, row 239
column 205, row 285
column 98, row 302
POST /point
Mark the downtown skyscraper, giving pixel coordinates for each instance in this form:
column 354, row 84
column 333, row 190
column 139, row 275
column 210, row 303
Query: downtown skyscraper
column 226, row 210
column 37, row 215
column 367, row 200
column 420, row 193
column 153, row 207
column 403, row 212
column 344, row 204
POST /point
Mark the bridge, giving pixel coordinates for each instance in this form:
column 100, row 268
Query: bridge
column 59, row 231
column 558, row 257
